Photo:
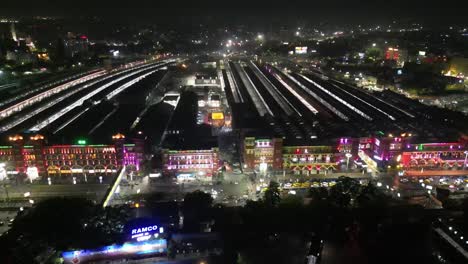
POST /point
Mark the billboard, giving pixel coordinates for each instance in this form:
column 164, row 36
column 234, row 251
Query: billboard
column 301, row 50
column 217, row 116
column 126, row 250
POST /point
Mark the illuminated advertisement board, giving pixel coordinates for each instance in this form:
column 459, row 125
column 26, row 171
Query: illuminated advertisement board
column 143, row 233
column 151, row 247
column 301, row 50
column 217, row 116
column 186, row 177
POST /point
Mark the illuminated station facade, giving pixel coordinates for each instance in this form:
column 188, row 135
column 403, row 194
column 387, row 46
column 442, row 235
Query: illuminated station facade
column 189, row 165
column 436, row 156
column 374, row 153
column 31, row 156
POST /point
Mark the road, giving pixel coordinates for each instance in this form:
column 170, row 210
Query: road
column 91, row 191
column 5, row 217
column 230, row 191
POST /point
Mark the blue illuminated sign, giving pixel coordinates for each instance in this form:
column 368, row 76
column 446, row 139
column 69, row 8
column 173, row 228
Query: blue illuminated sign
column 144, row 229
column 146, row 232
column 158, row 246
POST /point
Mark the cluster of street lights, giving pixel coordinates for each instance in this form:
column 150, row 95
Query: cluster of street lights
column 455, row 233
column 398, row 194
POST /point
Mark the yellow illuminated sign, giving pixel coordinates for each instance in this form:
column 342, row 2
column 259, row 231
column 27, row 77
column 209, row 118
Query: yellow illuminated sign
column 217, row 116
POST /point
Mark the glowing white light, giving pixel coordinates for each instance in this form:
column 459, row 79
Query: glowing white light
column 298, row 96
column 3, row 172
column 79, row 102
column 318, row 98
column 32, row 173
column 338, row 98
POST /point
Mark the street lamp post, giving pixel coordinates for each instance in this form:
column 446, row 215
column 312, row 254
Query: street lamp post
column 348, row 156
column 466, row 157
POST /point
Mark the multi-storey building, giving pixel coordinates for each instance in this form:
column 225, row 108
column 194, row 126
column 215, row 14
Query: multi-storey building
column 191, row 164
column 440, row 156
column 30, row 155
column 263, row 154
column 373, row 153
column 310, row 159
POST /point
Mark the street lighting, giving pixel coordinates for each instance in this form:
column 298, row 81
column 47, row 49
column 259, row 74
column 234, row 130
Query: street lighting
column 466, row 157
column 3, row 173
column 348, row 155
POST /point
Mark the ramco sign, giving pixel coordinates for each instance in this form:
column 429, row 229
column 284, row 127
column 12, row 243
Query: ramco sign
column 146, row 232
column 144, row 229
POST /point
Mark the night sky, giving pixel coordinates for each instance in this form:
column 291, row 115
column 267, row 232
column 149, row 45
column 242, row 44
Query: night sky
column 349, row 11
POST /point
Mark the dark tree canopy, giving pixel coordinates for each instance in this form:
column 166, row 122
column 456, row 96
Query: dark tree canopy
column 272, row 194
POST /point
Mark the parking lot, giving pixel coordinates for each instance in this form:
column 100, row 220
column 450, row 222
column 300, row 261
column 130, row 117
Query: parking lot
column 5, row 220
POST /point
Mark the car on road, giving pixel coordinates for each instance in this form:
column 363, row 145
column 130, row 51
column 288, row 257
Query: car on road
column 124, row 183
column 2, row 223
column 296, row 185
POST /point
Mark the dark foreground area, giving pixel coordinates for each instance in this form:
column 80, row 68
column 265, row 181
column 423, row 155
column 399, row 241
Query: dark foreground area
column 348, row 223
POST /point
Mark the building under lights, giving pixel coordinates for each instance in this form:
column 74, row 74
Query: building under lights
column 307, row 160
column 434, row 156
column 31, row 155
column 191, row 164
column 263, row 154
column 381, row 148
column 270, row 154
